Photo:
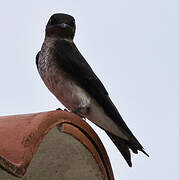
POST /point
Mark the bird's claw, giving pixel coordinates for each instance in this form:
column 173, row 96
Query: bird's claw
column 59, row 109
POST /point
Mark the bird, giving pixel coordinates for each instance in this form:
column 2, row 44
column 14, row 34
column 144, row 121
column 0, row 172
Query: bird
column 70, row 78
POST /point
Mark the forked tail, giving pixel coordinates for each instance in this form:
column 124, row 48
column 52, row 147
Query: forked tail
column 124, row 146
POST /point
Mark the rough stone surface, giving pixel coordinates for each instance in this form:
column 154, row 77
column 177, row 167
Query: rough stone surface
column 60, row 157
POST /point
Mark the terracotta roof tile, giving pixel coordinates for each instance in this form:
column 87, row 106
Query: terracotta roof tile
column 21, row 136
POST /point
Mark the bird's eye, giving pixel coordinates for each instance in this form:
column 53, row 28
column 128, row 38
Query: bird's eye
column 72, row 23
column 52, row 21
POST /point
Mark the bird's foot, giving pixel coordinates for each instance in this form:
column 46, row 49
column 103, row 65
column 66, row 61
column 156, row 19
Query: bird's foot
column 59, row 109
column 78, row 112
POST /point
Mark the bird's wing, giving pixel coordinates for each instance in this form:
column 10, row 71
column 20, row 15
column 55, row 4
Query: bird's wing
column 73, row 63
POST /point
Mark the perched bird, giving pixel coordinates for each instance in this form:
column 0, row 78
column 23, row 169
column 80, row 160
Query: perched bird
column 70, row 78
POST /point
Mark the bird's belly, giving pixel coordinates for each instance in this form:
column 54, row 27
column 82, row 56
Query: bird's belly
column 67, row 91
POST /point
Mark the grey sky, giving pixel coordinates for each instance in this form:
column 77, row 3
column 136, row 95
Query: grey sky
column 133, row 48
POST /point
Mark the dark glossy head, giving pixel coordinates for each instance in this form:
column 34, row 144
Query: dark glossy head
column 61, row 25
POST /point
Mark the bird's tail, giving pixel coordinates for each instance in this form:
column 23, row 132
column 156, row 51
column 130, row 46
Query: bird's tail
column 123, row 146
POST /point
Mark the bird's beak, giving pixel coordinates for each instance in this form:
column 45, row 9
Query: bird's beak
column 63, row 25
column 60, row 26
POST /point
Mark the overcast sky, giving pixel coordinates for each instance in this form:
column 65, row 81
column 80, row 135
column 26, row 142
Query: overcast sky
column 132, row 46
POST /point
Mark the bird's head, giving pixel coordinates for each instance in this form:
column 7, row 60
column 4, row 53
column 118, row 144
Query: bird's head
column 61, row 26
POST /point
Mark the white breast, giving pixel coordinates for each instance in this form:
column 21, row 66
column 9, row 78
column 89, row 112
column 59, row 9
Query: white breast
column 71, row 95
column 58, row 82
column 66, row 90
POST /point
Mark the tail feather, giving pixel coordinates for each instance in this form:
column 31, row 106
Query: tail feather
column 142, row 150
column 123, row 146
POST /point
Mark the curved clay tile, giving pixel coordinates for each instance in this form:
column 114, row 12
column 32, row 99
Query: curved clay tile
column 21, row 136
